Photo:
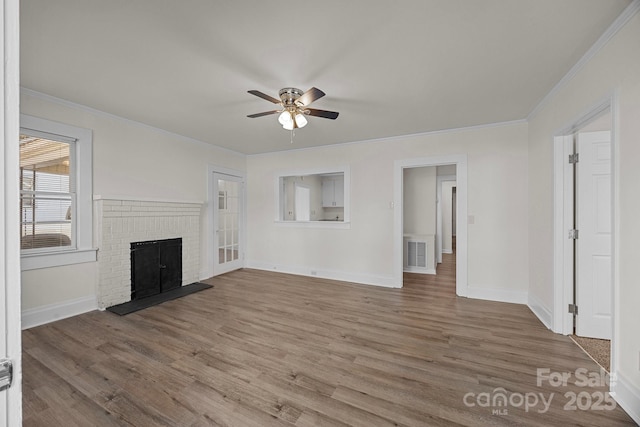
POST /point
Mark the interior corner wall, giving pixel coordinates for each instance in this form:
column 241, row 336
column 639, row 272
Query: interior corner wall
column 497, row 197
column 613, row 71
column 131, row 160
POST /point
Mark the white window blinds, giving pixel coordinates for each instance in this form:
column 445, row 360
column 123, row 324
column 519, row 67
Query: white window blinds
column 47, row 193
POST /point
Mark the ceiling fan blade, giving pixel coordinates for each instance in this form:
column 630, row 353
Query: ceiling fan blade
column 322, row 113
column 264, row 96
column 266, row 113
column 309, row 96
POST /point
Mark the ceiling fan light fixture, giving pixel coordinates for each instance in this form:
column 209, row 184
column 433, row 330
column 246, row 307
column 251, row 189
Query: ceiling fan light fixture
column 285, row 118
column 289, row 124
column 301, row 120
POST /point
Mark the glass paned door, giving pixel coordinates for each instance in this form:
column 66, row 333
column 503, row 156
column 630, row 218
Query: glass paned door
column 228, row 214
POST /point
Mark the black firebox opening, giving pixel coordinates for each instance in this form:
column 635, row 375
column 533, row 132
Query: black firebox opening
column 156, row 267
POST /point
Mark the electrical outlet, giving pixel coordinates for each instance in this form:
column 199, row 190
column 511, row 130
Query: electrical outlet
column 314, row 273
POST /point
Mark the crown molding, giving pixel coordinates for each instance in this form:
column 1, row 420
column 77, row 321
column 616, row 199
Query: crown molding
column 53, row 99
column 395, row 138
column 613, row 29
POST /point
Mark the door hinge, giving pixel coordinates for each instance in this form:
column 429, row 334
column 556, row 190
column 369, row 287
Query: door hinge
column 6, row 374
column 573, row 309
column 573, row 234
column 574, row 158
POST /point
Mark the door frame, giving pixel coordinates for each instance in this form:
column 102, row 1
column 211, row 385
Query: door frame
column 10, row 287
column 460, row 160
column 563, row 219
column 210, row 228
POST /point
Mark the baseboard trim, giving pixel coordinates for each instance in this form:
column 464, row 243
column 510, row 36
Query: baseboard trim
column 343, row 276
column 447, row 251
column 498, row 295
column 627, row 396
column 541, row 312
column 420, row 270
column 50, row 313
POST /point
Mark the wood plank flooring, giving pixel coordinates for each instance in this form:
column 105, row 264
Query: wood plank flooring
column 269, row 349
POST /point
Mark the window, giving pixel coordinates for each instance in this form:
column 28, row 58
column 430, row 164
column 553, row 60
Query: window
column 222, row 200
column 55, row 194
column 47, row 193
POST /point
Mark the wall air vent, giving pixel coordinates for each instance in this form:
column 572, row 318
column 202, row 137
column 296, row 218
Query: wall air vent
column 419, row 254
column 416, row 254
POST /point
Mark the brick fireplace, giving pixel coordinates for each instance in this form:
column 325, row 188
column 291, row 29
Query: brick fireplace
column 122, row 222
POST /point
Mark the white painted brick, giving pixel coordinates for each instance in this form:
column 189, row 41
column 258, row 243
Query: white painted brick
column 125, row 221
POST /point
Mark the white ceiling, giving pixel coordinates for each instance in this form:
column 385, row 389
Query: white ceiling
column 389, row 67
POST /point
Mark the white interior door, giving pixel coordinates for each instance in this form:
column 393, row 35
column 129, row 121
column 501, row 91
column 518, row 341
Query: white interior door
column 10, row 343
column 228, row 214
column 593, row 215
column 302, row 200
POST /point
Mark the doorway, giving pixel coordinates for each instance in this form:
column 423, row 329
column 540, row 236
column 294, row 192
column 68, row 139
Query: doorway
column 460, row 162
column 302, row 202
column 228, row 222
column 584, row 276
column 447, row 211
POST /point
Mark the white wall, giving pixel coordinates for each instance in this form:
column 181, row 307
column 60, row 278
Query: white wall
column 129, row 159
column 614, row 69
column 420, row 200
column 446, row 170
column 497, row 166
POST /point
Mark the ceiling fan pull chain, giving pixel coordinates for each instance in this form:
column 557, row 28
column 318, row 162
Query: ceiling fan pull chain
column 292, row 136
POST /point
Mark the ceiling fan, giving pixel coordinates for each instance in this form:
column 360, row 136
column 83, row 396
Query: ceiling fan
column 294, row 105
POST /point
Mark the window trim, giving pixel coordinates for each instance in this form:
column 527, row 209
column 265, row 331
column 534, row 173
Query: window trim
column 83, row 175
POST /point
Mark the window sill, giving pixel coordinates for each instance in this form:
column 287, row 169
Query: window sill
column 316, row 224
column 57, row 259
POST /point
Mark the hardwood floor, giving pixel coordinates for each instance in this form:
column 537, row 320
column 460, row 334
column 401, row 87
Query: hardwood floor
column 263, row 348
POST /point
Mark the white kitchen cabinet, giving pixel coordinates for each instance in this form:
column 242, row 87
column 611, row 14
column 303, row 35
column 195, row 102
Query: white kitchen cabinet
column 333, row 191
